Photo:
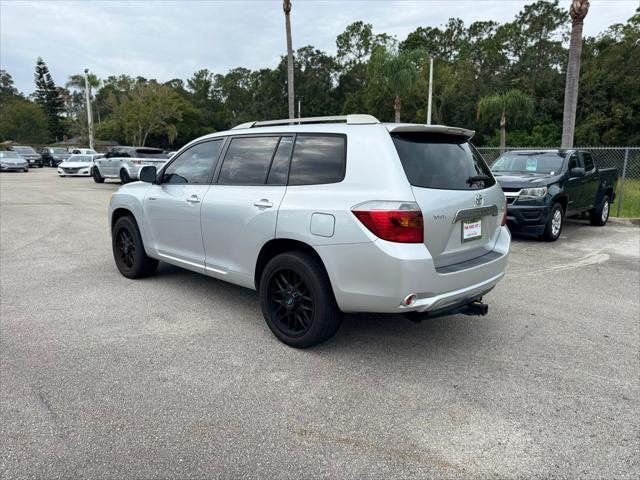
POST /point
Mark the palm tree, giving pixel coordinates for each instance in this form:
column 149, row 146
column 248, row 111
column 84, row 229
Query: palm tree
column 77, row 82
column 512, row 104
column 578, row 10
column 286, row 6
column 398, row 70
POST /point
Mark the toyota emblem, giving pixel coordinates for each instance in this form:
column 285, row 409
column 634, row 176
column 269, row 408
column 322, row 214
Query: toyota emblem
column 478, row 199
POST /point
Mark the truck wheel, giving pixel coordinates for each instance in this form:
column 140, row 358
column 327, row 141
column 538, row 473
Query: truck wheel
column 128, row 250
column 95, row 173
column 124, row 176
column 599, row 216
column 554, row 224
column 297, row 300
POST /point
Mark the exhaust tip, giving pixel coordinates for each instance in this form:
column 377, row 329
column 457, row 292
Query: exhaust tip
column 409, row 300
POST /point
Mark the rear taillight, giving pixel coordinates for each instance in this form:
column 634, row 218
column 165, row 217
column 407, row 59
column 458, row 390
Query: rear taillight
column 504, row 215
column 393, row 221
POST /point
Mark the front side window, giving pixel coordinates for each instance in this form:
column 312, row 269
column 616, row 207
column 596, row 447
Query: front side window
column 194, row 166
column 588, row 161
column 318, row 159
column 247, row 160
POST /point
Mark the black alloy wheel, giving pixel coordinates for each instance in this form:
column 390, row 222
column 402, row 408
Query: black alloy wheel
column 291, row 302
column 128, row 249
column 297, row 299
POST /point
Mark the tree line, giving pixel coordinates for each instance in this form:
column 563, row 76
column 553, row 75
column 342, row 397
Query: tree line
column 486, row 76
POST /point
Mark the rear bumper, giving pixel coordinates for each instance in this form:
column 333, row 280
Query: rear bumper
column 377, row 276
column 529, row 220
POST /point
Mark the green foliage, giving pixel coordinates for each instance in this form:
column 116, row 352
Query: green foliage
column 483, row 63
column 149, row 108
column 48, row 97
column 24, row 122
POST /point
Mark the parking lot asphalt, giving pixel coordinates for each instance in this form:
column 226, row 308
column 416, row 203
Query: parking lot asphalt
column 178, row 376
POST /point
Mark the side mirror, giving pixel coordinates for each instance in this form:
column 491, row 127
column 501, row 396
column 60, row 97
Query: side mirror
column 577, row 172
column 148, row 174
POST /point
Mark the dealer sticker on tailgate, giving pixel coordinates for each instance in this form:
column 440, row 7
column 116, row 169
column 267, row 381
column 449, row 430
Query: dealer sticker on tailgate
column 471, row 229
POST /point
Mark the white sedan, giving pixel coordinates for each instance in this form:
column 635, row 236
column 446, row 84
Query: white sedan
column 77, row 166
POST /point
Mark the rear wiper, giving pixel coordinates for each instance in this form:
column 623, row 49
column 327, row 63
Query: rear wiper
column 478, row 178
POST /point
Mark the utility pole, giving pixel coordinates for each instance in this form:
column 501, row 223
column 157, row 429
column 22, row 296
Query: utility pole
column 299, row 109
column 430, row 91
column 286, row 6
column 87, row 97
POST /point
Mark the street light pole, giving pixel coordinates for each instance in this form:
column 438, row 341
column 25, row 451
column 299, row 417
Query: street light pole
column 430, row 91
column 87, row 98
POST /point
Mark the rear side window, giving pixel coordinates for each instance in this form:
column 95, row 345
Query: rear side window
column 318, row 159
column 441, row 161
column 247, row 160
column 280, row 163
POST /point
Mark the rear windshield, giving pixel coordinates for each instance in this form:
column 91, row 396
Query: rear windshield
column 149, row 153
column 534, row 162
column 446, row 162
column 24, row 150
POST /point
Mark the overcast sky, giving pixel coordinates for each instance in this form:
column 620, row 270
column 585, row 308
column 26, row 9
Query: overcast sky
column 173, row 39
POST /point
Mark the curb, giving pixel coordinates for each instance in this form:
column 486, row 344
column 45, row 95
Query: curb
column 624, row 221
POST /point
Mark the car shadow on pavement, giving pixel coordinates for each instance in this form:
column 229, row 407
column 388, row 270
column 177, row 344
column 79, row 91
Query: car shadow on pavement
column 381, row 332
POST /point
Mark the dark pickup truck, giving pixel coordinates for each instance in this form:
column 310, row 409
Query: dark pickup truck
column 542, row 187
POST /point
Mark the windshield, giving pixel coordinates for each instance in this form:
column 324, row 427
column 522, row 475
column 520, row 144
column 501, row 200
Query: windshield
column 79, row 158
column 9, row 155
column 442, row 161
column 25, row 150
column 529, row 162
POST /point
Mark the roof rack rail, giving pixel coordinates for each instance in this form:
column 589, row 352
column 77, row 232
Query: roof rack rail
column 354, row 119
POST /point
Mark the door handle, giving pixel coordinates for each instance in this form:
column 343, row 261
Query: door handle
column 193, row 199
column 263, row 203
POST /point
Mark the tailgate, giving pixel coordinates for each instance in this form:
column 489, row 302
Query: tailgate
column 446, row 213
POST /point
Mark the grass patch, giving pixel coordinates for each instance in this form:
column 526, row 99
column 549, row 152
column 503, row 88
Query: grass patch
column 630, row 200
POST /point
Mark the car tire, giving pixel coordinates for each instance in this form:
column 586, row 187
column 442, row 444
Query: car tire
column 297, row 300
column 128, row 250
column 554, row 224
column 41, row 164
column 95, row 173
column 51, row 163
column 25, row 170
column 599, row 216
column 124, row 177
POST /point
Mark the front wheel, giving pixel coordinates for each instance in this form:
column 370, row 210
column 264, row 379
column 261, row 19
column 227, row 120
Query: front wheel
column 554, row 224
column 128, row 250
column 51, row 164
column 297, row 300
column 599, row 216
column 124, row 176
column 40, row 165
column 95, row 173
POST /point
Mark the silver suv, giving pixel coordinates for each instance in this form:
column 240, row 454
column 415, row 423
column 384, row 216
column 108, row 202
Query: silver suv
column 328, row 215
column 124, row 163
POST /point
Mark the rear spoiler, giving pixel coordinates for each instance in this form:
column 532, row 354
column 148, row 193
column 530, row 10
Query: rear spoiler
column 413, row 127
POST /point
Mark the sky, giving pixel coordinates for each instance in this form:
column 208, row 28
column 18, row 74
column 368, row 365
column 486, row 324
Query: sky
column 173, row 39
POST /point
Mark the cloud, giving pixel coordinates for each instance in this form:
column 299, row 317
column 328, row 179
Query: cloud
column 165, row 40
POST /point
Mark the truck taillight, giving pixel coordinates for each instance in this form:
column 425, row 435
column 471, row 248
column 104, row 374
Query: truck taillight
column 504, row 215
column 392, row 221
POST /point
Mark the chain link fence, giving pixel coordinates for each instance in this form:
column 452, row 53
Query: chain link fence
column 626, row 160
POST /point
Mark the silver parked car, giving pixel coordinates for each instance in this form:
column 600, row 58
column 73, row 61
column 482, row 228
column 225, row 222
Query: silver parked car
column 124, row 163
column 323, row 217
column 11, row 161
